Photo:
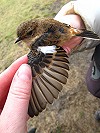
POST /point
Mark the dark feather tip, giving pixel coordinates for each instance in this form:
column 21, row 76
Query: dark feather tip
column 89, row 35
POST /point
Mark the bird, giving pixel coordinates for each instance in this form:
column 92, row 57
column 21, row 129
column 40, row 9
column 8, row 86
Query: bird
column 47, row 59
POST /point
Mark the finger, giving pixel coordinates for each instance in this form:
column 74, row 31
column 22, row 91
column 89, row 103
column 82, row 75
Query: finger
column 73, row 20
column 16, row 106
column 71, row 44
column 7, row 76
column 66, row 9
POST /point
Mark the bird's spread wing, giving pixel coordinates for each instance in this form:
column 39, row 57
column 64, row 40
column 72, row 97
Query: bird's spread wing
column 49, row 73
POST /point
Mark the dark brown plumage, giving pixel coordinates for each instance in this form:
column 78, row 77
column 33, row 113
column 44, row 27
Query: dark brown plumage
column 49, row 69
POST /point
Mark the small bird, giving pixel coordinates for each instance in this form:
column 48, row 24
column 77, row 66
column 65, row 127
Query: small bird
column 48, row 61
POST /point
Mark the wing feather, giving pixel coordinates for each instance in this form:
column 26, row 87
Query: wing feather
column 49, row 73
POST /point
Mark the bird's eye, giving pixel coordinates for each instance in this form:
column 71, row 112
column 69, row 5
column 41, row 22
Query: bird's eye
column 30, row 33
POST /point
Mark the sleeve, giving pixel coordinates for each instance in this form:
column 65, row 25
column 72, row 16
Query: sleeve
column 89, row 10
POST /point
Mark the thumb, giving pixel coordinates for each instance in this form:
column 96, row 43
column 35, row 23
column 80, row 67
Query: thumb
column 16, row 106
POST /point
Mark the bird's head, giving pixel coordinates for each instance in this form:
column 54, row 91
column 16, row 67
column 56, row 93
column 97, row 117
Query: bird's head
column 27, row 32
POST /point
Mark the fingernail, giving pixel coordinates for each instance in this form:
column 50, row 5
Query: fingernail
column 24, row 72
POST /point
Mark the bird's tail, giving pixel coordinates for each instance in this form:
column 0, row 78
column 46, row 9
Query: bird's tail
column 88, row 34
column 85, row 34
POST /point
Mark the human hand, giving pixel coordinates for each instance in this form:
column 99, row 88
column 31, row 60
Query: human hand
column 75, row 21
column 15, row 89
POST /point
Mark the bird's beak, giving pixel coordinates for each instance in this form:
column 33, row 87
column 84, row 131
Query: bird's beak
column 17, row 40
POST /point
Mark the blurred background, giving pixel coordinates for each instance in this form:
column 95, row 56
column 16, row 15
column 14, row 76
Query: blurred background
column 73, row 111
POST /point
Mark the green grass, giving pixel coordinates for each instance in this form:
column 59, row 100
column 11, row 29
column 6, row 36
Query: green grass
column 81, row 114
column 58, row 130
column 12, row 13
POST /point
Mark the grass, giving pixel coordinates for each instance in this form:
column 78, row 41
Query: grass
column 58, row 130
column 81, row 114
column 12, row 13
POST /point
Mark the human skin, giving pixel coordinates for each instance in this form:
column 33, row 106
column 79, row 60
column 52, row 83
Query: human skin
column 7, row 76
column 15, row 85
column 15, row 88
column 76, row 22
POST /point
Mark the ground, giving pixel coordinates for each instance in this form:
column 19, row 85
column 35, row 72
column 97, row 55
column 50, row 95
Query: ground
column 73, row 111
